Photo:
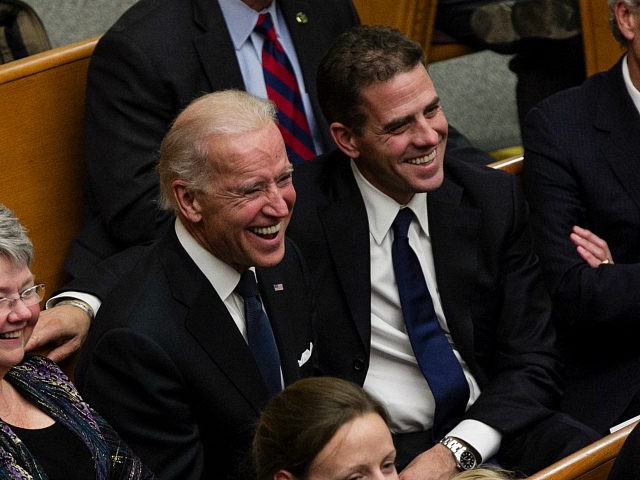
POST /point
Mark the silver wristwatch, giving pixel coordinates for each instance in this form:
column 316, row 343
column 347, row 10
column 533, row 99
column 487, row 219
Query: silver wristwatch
column 466, row 457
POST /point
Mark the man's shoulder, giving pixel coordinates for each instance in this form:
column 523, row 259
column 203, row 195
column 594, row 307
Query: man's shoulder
column 146, row 13
column 468, row 174
column 573, row 101
column 477, row 186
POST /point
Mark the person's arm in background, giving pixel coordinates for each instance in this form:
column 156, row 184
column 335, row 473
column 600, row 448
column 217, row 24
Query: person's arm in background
column 128, row 110
column 64, row 325
column 558, row 195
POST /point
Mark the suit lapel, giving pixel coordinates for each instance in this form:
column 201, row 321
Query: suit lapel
column 215, row 48
column 454, row 240
column 211, row 325
column 620, row 131
column 346, row 227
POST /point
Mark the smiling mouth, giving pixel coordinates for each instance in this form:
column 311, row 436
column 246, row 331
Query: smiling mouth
column 8, row 335
column 425, row 160
column 267, row 232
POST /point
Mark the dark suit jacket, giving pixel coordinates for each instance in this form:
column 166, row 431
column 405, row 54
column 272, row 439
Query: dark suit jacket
column 495, row 304
column 160, row 55
column 167, row 366
column 582, row 167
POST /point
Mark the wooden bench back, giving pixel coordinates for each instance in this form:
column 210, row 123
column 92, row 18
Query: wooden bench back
column 593, row 462
column 511, row 165
column 41, row 112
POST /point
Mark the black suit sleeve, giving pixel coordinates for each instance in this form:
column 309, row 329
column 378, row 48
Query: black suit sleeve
column 103, row 278
column 461, row 147
column 129, row 109
column 132, row 380
column 517, row 352
column 559, row 196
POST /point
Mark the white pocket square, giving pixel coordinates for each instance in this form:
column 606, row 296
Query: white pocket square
column 306, row 355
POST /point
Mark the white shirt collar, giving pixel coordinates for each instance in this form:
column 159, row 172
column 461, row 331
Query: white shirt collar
column 382, row 209
column 221, row 275
column 241, row 19
column 631, row 88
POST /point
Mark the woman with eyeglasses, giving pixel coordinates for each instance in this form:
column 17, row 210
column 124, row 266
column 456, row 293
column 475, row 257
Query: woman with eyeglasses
column 46, row 430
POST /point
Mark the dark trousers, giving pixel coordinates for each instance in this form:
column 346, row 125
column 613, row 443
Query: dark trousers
column 539, row 446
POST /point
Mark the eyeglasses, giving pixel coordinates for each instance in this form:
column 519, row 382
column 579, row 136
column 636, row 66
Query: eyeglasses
column 29, row 297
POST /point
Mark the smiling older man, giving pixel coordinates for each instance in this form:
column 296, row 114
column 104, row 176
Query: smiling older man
column 185, row 351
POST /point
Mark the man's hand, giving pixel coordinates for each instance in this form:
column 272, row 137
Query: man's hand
column 593, row 249
column 437, row 463
column 64, row 327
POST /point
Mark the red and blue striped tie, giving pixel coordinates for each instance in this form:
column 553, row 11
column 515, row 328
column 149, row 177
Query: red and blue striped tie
column 282, row 89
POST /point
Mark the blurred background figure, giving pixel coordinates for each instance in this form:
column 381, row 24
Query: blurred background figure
column 543, row 35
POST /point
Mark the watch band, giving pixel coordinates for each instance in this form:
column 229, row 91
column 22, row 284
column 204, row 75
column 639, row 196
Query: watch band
column 465, row 456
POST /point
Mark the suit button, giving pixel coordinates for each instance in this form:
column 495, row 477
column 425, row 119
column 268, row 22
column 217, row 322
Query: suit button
column 358, row 365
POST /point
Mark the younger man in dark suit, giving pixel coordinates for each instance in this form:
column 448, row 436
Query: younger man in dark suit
column 176, row 358
column 489, row 312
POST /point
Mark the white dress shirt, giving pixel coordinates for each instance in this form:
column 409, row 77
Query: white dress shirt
column 394, row 377
column 631, row 88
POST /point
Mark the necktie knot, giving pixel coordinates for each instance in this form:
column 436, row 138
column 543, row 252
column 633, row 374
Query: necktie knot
column 247, row 286
column 264, row 26
column 401, row 223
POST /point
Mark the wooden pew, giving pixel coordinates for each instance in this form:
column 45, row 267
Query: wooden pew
column 593, row 462
column 601, row 50
column 511, row 165
column 42, row 108
column 415, row 19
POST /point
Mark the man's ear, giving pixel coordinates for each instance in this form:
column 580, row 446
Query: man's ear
column 627, row 21
column 283, row 475
column 345, row 139
column 186, row 201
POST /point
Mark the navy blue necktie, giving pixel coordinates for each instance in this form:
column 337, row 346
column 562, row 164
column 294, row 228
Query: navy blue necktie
column 283, row 90
column 259, row 334
column 435, row 356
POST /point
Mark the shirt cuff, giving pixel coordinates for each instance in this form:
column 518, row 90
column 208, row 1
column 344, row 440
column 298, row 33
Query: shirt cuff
column 485, row 439
column 85, row 297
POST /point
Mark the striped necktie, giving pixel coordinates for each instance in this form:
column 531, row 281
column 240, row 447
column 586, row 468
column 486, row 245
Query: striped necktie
column 282, row 89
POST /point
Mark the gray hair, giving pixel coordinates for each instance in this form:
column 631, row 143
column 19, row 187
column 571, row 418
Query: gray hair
column 15, row 245
column 613, row 22
column 184, row 150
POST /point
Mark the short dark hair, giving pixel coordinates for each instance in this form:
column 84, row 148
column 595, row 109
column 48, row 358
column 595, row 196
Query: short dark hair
column 358, row 58
column 302, row 419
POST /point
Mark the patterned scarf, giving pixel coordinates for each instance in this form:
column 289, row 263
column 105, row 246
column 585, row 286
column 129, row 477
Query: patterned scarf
column 42, row 382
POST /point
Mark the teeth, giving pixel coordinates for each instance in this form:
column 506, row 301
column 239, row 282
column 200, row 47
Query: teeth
column 422, row 160
column 267, row 230
column 15, row 334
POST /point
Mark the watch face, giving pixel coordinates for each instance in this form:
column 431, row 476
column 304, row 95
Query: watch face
column 467, row 460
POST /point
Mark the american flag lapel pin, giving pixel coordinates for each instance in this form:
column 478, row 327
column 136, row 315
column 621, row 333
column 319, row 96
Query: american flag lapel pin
column 278, row 287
